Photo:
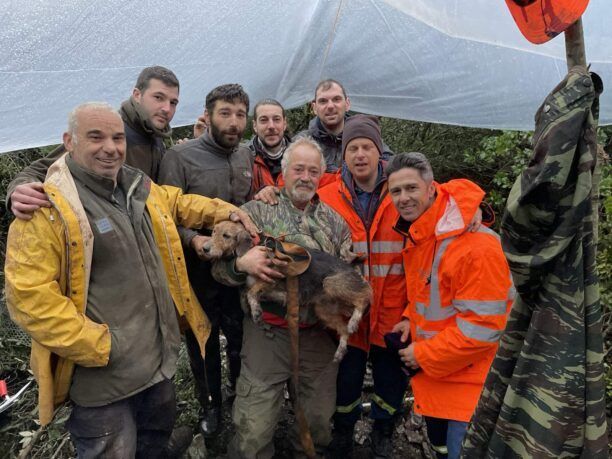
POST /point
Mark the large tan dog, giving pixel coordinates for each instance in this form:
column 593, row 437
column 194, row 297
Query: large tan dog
column 336, row 291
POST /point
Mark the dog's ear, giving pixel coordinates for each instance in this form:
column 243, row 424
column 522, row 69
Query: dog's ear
column 243, row 243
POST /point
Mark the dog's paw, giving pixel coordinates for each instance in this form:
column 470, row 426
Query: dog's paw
column 341, row 351
column 257, row 315
column 353, row 325
column 339, row 355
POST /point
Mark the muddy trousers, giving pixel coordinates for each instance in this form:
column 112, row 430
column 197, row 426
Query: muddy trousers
column 390, row 384
column 138, row 426
column 266, row 367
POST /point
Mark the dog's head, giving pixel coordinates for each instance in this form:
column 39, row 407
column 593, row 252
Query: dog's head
column 228, row 239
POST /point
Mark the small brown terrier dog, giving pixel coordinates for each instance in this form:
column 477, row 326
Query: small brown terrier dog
column 336, row 291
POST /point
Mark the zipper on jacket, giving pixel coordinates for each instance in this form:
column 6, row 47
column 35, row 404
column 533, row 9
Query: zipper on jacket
column 231, row 178
column 130, row 192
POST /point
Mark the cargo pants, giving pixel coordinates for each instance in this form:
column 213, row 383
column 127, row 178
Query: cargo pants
column 266, row 367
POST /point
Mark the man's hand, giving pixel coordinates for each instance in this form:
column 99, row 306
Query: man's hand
column 476, row 222
column 27, row 198
column 404, row 328
column 199, row 127
column 268, row 195
column 259, row 262
column 197, row 244
column 241, row 216
column 407, row 356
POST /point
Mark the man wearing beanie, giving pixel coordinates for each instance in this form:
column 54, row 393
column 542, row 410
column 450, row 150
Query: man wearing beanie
column 361, row 196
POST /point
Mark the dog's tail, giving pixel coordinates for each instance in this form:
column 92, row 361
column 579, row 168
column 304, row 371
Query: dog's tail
column 293, row 325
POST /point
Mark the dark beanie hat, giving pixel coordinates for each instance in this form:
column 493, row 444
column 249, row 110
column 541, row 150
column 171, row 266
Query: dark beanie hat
column 362, row 126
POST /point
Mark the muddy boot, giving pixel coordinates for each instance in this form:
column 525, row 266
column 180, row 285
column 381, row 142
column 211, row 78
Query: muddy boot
column 179, row 442
column 341, row 445
column 210, row 422
column 382, row 438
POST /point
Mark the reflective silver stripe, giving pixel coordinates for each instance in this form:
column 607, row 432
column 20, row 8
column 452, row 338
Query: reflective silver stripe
column 426, row 334
column 435, row 311
column 386, row 246
column 511, row 290
column 483, row 308
column 511, row 293
column 360, row 247
column 478, row 332
column 484, row 229
column 441, row 314
column 383, row 270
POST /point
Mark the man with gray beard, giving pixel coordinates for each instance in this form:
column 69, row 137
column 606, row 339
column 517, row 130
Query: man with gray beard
column 302, row 219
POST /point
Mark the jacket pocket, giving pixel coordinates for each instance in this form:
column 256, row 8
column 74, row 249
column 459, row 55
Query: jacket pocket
column 242, row 388
column 116, row 352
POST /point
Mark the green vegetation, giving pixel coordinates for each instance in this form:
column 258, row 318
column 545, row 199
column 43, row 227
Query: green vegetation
column 493, row 159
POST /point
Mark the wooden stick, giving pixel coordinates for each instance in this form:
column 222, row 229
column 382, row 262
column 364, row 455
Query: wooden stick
column 61, row 446
column 293, row 309
column 576, row 55
column 574, row 45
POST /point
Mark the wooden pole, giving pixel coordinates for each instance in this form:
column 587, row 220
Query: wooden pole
column 574, row 45
column 576, row 55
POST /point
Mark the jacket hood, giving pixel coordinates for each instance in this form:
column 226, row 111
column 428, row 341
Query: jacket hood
column 134, row 115
column 452, row 211
column 317, row 130
column 257, row 149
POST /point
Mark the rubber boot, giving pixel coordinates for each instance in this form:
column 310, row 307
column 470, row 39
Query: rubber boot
column 382, row 438
column 210, row 421
column 341, row 445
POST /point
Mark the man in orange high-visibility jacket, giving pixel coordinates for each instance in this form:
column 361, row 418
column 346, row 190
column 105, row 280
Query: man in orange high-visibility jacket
column 359, row 194
column 459, row 290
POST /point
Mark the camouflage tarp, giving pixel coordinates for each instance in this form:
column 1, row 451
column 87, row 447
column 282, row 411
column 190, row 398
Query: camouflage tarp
column 545, row 393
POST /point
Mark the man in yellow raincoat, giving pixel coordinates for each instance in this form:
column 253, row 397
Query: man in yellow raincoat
column 98, row 280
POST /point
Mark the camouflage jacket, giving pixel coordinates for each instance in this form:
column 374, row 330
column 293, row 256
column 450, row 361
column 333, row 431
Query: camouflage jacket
column 316, row 227
column 545, row 394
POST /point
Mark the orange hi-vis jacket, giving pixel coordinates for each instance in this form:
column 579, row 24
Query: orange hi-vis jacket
column 383, row 267
column 460, row 292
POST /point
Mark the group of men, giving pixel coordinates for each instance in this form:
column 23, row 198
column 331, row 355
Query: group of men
column 109, row 241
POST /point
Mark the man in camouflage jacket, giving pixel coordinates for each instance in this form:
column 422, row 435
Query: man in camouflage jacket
column 545, row 393
column 266, row 361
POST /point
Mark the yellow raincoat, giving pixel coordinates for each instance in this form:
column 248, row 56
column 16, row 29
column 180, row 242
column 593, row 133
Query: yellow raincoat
column 48, row 262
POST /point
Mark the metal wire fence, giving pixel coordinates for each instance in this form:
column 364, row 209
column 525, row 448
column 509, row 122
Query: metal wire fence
column 10, row 333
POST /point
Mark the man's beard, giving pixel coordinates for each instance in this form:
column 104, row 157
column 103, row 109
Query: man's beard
column 301, row 196
column 219, row 136
column 269, row 146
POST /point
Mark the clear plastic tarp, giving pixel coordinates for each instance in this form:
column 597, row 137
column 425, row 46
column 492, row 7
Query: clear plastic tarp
column 458, row 62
